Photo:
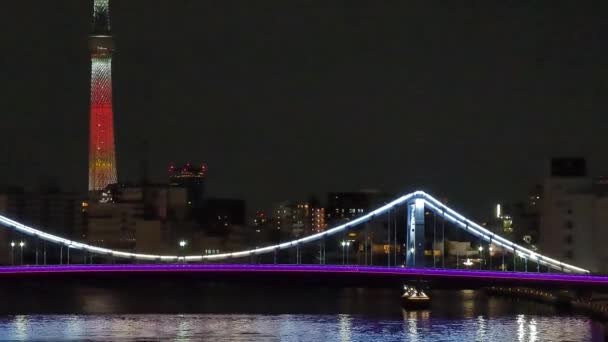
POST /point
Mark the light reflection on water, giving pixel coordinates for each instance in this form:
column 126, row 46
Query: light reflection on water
column 246, row 327
column 328, row 315
column 345, row 328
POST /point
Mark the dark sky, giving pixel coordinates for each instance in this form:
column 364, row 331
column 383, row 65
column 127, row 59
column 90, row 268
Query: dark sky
column 283, row 99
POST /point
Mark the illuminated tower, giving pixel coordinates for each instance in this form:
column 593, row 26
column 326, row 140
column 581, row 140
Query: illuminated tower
column 102, row 157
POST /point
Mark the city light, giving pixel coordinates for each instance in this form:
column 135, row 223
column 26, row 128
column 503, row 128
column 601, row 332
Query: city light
column 467, row 262
column 498, row 211
column 12, row 243
column 183, row 243
column 429, row 201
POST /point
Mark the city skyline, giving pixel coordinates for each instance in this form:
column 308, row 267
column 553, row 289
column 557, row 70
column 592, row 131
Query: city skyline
column 303, row 170
column 310, row 114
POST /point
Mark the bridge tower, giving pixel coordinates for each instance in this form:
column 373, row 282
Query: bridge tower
column 414, row 253
column 102, row 156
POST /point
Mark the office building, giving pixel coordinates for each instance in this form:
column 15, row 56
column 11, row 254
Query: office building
column 574, row 216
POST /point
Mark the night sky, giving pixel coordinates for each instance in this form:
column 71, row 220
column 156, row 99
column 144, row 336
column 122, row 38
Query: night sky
column 283, row 99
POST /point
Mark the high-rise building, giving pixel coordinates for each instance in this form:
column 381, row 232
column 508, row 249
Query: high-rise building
column 299, row 218
column 122, row 222
column 318, row 220
column 573, row 216
column 102, row 156
column 292, row 218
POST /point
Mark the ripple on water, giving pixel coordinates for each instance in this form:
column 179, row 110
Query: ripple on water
column 417, row 326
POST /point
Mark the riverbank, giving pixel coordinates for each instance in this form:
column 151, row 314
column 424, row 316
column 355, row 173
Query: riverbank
column 597, row 310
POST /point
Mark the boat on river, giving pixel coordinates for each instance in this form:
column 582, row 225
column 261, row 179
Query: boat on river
column 414, row 298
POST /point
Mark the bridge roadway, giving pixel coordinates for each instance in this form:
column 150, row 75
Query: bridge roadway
column 318, row 274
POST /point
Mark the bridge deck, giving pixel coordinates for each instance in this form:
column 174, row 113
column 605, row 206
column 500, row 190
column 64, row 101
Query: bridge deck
column 525, row 278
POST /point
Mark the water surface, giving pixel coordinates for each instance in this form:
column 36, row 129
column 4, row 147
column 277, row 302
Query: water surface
column 329, row 315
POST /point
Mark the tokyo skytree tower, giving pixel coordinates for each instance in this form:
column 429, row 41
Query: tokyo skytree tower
column 102, row 155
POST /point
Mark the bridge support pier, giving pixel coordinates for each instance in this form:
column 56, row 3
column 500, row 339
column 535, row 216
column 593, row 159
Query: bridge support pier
column 414, row 253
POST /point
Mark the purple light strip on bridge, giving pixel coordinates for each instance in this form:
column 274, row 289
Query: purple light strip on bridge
column 362, row 270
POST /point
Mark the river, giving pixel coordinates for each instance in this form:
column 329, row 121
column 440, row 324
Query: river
column 299, row 315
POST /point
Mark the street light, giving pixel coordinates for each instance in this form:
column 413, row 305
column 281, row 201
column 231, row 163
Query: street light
column 182, row 244
column 480, row 256
column 345, row 244
column 21, row 244
column 13, row 252
column 491, row 250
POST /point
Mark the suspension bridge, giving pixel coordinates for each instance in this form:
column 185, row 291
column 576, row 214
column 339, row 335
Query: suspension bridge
column 415, row 205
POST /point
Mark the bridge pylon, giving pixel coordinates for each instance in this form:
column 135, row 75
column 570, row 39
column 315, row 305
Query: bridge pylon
column 414, row 253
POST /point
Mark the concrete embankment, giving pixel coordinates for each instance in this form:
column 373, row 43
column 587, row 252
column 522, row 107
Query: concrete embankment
column 588, row 305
